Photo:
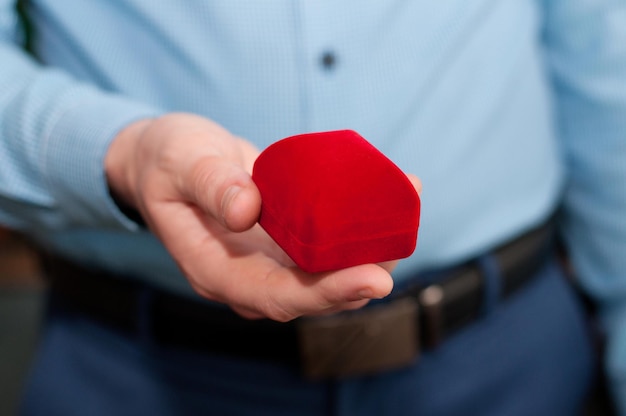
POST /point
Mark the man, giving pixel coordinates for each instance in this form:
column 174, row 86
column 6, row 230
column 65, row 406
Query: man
column 127, row 145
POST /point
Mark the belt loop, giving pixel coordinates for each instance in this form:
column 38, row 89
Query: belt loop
column 145, row 302
column 492, row 282
column 431, row 301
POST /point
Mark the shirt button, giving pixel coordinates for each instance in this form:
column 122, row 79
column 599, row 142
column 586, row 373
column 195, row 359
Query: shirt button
column 328, row 60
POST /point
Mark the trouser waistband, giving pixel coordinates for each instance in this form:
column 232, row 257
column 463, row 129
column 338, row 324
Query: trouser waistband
column 383, row 336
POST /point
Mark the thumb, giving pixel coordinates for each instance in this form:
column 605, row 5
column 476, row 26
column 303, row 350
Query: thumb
column 225, row 191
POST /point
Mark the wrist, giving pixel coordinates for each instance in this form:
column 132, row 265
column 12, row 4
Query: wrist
column 119, row 163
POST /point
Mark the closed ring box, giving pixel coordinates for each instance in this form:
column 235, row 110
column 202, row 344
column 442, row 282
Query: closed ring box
column 331, row 200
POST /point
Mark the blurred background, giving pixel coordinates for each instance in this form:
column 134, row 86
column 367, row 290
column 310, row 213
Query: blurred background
column 21, row 302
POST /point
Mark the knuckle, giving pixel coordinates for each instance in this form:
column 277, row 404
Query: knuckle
column 277, row 310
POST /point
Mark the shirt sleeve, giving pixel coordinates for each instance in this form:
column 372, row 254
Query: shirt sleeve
column 54, row 134
column 585, row 44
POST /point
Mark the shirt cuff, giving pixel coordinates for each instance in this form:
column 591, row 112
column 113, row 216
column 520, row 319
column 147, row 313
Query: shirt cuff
column 74, row 152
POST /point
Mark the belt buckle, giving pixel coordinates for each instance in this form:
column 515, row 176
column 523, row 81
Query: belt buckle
column 371, row 340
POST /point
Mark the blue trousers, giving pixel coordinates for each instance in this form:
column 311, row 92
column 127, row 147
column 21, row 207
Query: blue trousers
column 530, row 355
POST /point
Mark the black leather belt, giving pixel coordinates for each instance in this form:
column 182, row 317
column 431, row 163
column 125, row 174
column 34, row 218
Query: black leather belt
column 382, row 336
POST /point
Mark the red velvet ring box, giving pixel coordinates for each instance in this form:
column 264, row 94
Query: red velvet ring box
column 331, row 200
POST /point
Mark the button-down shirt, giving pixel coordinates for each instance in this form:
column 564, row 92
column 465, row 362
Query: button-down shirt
column 502, row 107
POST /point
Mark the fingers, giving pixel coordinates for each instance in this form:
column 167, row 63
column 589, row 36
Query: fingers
column 240, row 207
column 287, row 293
column 417, row 183
column 390, row 265
column 224, row 190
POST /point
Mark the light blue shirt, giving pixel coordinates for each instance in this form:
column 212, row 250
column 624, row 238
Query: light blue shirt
column 501, row 107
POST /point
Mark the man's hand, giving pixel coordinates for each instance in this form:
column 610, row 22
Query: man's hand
column 190, row 180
